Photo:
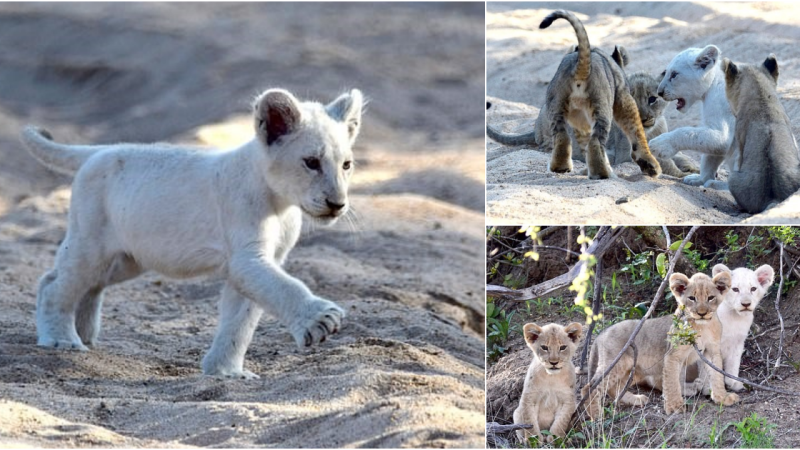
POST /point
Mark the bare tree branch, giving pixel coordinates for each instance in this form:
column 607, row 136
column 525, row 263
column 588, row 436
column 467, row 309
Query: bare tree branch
column 605, row 237
column 587, row 342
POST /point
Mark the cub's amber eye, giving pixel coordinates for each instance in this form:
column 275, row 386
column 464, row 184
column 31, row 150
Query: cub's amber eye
column 563, row 347
column 346, row 165
column 652, row 100
column 692, row 299
column 544, row 347
column 737, row 289
column 711, row 298
column 312, row 163
column 752, row 289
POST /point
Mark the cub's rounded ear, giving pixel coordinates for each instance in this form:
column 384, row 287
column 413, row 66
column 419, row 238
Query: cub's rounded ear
column 730, row 69
column 347, row 108
column 719, row 268
column 771, row 64
column 707, row 57
column 574, row 331
column 722, row 281
column 678, row 283
column 531, row 332
column 277, row 113
column 620, row 55
column 661, row 76
column 765, row 276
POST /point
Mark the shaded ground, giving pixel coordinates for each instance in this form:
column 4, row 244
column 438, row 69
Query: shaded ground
column 649, row 426
column 406, row 370
column 521, row 60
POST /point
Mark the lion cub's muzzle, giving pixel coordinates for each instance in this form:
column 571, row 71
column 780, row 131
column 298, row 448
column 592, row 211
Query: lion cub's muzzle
column 335, row 209
column 648, row 122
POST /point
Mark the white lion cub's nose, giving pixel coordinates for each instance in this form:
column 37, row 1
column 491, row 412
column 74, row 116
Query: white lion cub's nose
column 334, row 207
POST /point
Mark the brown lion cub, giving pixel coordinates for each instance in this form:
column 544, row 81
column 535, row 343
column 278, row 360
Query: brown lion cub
column 588, row 91
column 659, row 364
column 548, row 395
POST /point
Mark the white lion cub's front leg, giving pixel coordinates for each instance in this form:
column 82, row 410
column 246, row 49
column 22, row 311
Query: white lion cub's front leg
column 238, row 319
column 310, row 319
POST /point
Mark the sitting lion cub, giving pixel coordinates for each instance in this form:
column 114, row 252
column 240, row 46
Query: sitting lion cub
column 548, row 395
column 659, row 364
column 735, row 313
column 183, row 213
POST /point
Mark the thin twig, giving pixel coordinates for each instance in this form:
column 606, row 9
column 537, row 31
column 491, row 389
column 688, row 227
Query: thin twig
column 780, row 319
column 656, row 300
column 745, row 381
column 587, row 343
column 630, row 376
column 776, row 327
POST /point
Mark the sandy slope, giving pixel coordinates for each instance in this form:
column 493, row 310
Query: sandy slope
column 521, row 60
column 406, row 370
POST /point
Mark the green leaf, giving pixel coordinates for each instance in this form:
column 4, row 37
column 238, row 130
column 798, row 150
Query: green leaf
column 677, row 244
column 661, row 264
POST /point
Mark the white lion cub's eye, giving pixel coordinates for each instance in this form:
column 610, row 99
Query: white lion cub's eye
column 737, row 289
column 312, row 163
column 347, row 165
column 752, row 289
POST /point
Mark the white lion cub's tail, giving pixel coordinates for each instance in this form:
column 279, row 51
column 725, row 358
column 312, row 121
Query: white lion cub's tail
column 59, row 157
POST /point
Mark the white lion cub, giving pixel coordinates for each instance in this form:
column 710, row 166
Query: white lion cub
column 184, row 213
column 748, row 287
column 694, row 75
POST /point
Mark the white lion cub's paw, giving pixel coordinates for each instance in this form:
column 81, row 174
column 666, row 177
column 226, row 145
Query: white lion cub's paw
column 694, row 179
column 734, row 385
column 62, row 344
column 660, row 147
column 234, row 374
column 320, row 319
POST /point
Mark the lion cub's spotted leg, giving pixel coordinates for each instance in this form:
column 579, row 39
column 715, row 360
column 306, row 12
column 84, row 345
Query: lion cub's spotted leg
column 672, row 378
column 561, row 160
column 596, row 158
column 718, row 393
column 528, row 413
column 238, row 319
column 626, row 114
column 562, row 419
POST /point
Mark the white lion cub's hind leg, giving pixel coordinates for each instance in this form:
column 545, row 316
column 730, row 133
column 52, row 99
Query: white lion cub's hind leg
column 238, row 319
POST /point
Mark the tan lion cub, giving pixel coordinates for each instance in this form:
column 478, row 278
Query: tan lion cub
column 659, row 364
column 548, row 395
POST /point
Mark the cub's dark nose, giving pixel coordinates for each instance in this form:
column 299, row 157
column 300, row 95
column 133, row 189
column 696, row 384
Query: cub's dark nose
column 333, row 206
column 661, row 93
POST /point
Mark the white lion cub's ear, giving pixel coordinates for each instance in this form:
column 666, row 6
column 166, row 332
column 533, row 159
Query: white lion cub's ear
column 707, row 57
column 347, row 108
column 277, row 113
column 765, row 276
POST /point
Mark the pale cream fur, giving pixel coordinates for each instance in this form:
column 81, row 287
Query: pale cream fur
column 548, row 395
column 658, row 364
column 233, row 214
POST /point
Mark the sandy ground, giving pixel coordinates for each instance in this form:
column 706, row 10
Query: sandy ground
column 407, row 368
column 521, row 60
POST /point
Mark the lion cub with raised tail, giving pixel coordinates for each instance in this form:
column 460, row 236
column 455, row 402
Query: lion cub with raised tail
column 588, row 92
column 548, row 395
column 765, row 165
column 233, row 214
column 659, row 364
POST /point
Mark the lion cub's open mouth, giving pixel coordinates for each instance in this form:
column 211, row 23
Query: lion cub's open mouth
column 681, row 104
